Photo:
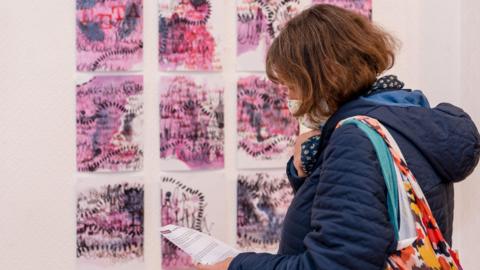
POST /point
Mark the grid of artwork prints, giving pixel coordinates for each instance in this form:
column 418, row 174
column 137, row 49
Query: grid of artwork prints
column 191, row 118
column 109, row 134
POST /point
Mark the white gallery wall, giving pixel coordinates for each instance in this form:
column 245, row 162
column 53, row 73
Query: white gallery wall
column 467, row 215
column 440, row 55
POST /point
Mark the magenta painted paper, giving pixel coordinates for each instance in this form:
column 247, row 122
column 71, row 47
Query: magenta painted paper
column 258, row 23
column 262, row 203
column 109, row 35
column 184, row 206
column 187, row 36
column 109, row 124
column 110, row 225
column 192, row 200
column 266, row 129
column 191, row 122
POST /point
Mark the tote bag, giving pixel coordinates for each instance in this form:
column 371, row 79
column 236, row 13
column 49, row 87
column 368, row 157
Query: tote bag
column 421, row 244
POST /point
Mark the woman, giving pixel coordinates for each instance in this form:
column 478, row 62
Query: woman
column 329, row 59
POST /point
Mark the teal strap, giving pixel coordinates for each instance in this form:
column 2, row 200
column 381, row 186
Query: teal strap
column 387, row 166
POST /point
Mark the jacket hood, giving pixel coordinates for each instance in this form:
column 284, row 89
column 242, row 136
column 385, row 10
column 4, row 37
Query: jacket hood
column 445, row 135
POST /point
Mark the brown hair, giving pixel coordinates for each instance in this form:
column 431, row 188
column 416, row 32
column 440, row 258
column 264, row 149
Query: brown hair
column 330, row 55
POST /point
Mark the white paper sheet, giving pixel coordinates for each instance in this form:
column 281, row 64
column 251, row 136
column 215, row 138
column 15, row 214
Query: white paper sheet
column 201, row 247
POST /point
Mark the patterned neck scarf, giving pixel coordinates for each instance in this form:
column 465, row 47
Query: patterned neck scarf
column 310, row 153
column 386, row 82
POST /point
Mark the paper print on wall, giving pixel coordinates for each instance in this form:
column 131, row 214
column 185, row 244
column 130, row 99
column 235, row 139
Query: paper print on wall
column 363, row 7
column 262, row 203
column 258, row 23
column 194, row 201
column 110, row 225
column 191, row 122
column 109, row 35
column 266, row 130
column 189, row 34
column 109, row 123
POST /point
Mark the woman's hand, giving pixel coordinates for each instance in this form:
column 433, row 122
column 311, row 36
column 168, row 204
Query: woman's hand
column 223, row 265
column 297, row 154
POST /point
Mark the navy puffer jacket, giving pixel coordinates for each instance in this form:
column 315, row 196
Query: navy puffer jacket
column 338, row 218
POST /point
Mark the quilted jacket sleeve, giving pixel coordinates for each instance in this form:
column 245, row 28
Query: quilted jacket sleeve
column 350, row 227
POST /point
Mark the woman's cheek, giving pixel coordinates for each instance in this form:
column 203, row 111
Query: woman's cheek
column 293, row 94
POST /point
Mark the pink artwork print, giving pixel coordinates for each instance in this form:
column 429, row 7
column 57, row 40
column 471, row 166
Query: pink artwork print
column 191, row 123
column 363, row 7
column 189, row 34
column 110, row 231
column 266, row 130
column 258, row 23
column 262, row 203
column 192, row 200
column 109, row 123
column 109, row 35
